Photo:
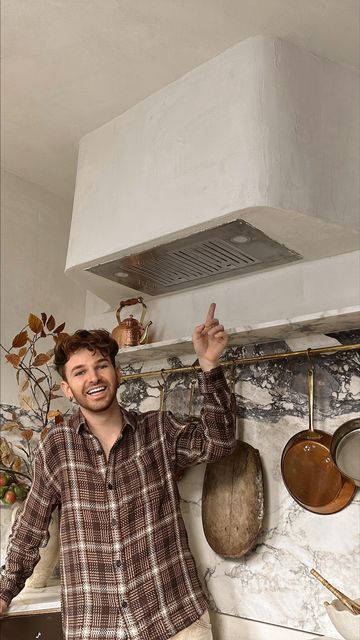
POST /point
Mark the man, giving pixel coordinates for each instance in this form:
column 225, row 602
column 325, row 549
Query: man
column 126, row 568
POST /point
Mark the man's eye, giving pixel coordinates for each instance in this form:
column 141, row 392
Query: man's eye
column 103, row 366
column 80, row 373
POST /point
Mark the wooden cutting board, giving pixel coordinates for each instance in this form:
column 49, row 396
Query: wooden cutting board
column 233, row 502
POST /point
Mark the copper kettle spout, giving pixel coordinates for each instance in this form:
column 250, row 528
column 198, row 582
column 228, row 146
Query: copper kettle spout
column 145, row 333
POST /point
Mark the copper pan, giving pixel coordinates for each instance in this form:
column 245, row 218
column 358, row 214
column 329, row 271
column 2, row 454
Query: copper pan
column 307, row 469
column 341, row 501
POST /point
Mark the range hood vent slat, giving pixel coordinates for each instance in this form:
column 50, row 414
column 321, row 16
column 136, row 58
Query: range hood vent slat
column 202, row 258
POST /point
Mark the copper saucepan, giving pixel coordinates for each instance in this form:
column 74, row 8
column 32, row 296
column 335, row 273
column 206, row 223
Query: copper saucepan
column 307, row 469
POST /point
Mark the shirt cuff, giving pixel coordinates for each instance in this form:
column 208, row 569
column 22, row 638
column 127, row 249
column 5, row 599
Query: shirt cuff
column 211, row 381
column 6, row 595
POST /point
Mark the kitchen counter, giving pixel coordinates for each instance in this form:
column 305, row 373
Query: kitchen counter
column 229, row 627
column 47, row 599
column 36, row 600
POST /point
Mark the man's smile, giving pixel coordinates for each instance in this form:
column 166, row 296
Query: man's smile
column 95, row 390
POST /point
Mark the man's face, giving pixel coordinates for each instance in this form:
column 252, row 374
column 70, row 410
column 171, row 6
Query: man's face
column 91, row 379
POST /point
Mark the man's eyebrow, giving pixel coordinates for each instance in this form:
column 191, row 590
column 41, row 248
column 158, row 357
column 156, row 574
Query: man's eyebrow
column 83, row 366
column 77, row 366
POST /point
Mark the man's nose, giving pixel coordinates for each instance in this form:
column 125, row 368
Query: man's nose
column 93, row 375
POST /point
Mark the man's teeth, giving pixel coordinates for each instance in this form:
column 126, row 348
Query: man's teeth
column 95, row 390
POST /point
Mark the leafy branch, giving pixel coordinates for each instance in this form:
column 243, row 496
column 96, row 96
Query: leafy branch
column 34, row 376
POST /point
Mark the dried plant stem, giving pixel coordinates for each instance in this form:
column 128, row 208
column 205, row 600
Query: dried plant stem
column 16, row 473
column 26, row 370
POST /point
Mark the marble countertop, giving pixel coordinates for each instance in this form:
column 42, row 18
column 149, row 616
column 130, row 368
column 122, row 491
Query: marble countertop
column 36, row 600
column 47, row 600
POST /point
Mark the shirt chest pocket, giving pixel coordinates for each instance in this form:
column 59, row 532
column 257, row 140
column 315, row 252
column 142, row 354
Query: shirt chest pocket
column 152, row 466
column 143, row 476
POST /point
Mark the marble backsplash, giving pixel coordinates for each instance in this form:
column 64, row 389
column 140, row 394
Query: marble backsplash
column 272, row 583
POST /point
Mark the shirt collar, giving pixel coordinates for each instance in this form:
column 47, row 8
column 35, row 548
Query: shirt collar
column 78, row 423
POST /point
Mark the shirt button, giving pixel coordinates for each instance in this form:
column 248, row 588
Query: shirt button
column 124, row 604
column 118, row 563
column 113, row 522
column 110, row 485
column 99, row 452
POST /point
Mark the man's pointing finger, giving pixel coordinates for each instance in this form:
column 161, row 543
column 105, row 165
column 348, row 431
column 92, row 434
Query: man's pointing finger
column 210, row 313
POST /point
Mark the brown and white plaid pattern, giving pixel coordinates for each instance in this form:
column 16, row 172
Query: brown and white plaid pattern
column 126, row 568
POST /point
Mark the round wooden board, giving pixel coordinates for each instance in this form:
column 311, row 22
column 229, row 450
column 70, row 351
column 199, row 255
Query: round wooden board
column 233, row 502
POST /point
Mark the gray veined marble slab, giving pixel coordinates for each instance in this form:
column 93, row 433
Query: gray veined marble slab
column 322, row 323
column 272, row 584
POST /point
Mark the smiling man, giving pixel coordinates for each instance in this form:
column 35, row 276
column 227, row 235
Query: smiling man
column 126, row 568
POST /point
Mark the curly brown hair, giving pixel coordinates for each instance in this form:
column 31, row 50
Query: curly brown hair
column 94, row 340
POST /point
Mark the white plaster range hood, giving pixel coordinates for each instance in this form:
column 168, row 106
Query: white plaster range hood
column 259, row 144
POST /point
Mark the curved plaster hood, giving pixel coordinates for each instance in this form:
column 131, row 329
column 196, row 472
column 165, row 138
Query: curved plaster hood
column 264, row 136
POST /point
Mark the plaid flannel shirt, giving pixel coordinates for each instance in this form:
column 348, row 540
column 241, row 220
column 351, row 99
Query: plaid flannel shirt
column 126, row 567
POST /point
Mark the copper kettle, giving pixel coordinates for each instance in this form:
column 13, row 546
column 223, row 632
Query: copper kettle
column 130, row 332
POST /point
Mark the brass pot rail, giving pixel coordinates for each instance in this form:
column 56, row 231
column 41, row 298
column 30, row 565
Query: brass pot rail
column 240, row 361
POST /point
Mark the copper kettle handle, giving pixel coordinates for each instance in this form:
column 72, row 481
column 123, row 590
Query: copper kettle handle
column 129, row 303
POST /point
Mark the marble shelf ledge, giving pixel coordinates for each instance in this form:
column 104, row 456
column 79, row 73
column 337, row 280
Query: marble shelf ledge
column 321, row 323
column 37, row 600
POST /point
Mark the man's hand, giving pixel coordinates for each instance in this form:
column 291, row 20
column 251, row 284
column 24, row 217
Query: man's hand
column 3, row 607
column 209, row 340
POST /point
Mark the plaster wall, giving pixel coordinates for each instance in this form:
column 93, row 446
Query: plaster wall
column 263, row 124
column 34, row 236
column 265, row 129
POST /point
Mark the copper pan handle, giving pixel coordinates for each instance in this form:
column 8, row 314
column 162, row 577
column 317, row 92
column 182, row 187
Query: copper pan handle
column 311, row 398
column 233, row 404
column 347, row 602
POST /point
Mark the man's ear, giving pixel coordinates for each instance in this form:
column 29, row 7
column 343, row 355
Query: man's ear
column 66, row 390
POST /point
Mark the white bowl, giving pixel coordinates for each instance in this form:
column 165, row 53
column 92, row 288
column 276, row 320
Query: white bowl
column 345, row 622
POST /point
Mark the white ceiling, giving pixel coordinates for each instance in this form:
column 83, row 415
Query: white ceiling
column 71, row 65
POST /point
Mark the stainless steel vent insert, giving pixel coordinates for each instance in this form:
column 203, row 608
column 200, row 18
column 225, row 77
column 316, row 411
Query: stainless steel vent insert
column 232, row 249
